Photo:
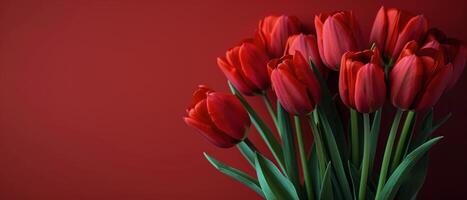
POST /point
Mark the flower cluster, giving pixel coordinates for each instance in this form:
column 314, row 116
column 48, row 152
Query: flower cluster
column 403, row 61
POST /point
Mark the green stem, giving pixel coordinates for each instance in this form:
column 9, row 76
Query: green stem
column 304, row 160
column 388, row 151
column 270, row 109
column 402, row 140
column 354, row 137
column 322, row 160
column 366, row 157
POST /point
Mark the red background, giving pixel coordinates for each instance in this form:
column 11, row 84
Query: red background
column 92, row 95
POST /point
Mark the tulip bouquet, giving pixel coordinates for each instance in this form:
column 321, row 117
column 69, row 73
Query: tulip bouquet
column 404, row 64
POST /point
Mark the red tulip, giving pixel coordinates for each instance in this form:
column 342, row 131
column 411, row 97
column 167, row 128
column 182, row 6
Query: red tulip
column 295, row 84
column 246, row 68
column 361, row 81
column 419, row 77
column 219, row 117
column 274, row 31
column 307, row 46
column 393, row 28
column 337, row 33
column 454, row 51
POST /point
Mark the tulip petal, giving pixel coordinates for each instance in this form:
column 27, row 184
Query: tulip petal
column 228, row 115
column 414, row 30
column 336, row 41
column 459, row 62
column 211, row 134
column 199, row 95
column 406, row 81
column 236, row 77
column 290, row 92
column 254, row 65
column 304, row 74
column 370, row 88
column 379, row 29
column 307, row 46
column 319, row 37
column 347, row 78
column 435, row 88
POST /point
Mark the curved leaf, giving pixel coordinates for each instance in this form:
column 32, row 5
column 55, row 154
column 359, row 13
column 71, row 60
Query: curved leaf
column 236, row 174
column 402, row 171
column 275, row 185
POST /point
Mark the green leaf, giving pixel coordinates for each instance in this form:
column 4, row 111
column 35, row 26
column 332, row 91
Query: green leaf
column 328, row 108
column 441, row 122
column 247, row 152
column 275, row 185
column 414, row 181
column 288, row 146
column 335, row 187
column 402, row 171
column 262, row 128
column 354, row 178
column 314, row 169
column 236, row 174
column 427, row 129
column 374, row 134
column 326, row 188
column 335, row 158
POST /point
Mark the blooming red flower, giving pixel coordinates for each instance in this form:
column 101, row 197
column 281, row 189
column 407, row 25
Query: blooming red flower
column 419, row 77
column 361, row 81
column 393, row 28
column 275, row 30
column 454, row 51
column 337, row 33
column 245, row 66
column 308, row 47
column 295, row 84
column 218, row 116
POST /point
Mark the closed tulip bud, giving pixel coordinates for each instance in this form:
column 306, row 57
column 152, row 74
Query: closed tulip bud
column 307, row 46
column 294, row 83
column 337, row 33
column 454, row 51
column 419, row 77
column 245, row 66
column 393, row 28
column 275, row 30
column 219, row 117
column 361, row 81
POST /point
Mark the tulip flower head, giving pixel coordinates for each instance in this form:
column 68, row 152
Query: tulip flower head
column 245, row 66
column 218, row 116
column 361, row 81
column 419, row 77
column 295, row 84
column 337, row 33
column 275, row 30
column 393, row 28
column 307, row 46
column 454, row 51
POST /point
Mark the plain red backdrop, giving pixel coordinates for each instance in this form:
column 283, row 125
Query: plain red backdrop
column 92, row 95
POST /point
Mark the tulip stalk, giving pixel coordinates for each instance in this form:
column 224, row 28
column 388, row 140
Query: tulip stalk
column 270, row 108
column 303, row 158
column 402, row 144
column 366, row 157
column 388, row 151
column 354, row 137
